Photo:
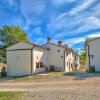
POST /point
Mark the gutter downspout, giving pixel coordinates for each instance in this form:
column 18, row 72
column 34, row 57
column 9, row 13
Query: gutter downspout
column 32, row 60
column 89, row 57
column 64, row 60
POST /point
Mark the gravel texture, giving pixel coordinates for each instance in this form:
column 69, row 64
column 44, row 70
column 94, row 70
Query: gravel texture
column 72, row 86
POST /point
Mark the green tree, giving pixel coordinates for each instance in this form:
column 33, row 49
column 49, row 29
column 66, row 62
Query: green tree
column 83, row 52
column 10, row 35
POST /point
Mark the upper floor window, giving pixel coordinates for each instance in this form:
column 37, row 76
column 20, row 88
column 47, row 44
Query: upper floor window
column 76, row 58
column 66, row 53
column 61, row 56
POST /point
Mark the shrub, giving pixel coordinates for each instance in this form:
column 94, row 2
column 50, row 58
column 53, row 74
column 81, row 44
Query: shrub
column 0, row 74
column 3, row 71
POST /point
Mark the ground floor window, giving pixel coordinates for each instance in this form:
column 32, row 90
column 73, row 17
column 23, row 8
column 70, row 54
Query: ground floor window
column 39, row 65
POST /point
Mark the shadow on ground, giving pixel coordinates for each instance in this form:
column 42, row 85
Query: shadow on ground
column 81, row 75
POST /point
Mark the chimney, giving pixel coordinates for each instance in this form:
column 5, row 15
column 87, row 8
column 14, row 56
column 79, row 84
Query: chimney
column 59, row 43
column 48, row 39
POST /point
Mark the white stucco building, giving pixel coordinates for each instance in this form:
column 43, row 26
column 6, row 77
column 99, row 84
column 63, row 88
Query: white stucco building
column 93, row 54
column 26, row 58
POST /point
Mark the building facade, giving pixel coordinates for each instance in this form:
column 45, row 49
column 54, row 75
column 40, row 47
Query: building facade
column 93, row 54
column 26, row 59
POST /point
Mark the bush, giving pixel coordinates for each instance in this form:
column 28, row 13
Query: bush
column 52, row 67
column 3, row 71
column 0, row 74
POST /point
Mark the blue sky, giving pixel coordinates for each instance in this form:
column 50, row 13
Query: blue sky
column 68, row 20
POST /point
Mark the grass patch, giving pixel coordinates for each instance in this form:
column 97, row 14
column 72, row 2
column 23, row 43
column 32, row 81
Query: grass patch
column 3, row 78
column 69, row 74
column 82, row 70
column 95, row 73
column 56, row 72
column 11, row 95
column 31, row 78
column 39, row 78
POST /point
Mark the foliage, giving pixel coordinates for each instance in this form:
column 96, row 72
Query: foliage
column 83, row 52
column 10, row 35
column 83, row 58
column 89, row 39
column 3, row 71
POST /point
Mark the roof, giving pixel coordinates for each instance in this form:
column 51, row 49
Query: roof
column 31, row 45
column 92, row 40
column 65, row 47
column 40, row 46
column 54, row 44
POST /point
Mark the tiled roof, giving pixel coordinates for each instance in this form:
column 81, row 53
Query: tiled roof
column 65, row 47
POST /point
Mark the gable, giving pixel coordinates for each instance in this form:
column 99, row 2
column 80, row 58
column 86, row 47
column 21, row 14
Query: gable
column 20, row 45
column 47, row 45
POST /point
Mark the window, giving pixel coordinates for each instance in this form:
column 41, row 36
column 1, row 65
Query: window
column 41, row 64
column 75, row 57
column 66, row 53
column 58, row 50
column 61, row 56
column 37, row 64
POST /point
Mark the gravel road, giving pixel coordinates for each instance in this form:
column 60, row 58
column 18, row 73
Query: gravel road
column 82, row 87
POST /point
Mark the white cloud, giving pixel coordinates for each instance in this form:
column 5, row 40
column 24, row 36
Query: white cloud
column 94, row 35
column 87, row 24
column 95, row 10
column 68, row 25
column 60, row 2
column 12, row 2
column 74, row 41
column 37, row 31
column 60, row 35
column 31, row 10
column 40, row 40
column 85, row 4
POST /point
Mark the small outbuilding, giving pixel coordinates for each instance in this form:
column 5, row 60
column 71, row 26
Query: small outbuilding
column 26, row 59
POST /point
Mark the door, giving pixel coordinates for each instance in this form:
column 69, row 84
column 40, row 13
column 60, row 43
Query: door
column 69, row 65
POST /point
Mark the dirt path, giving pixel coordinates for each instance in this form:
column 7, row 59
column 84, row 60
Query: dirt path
column 80, row 86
